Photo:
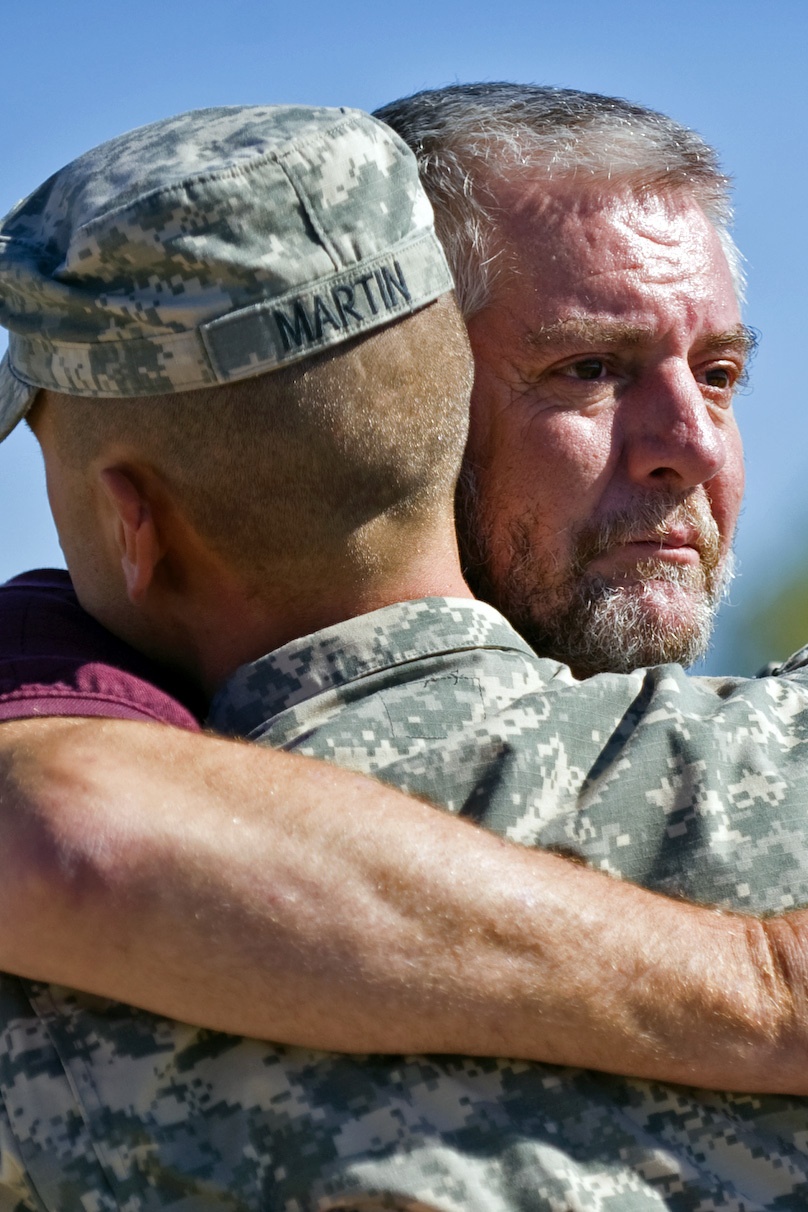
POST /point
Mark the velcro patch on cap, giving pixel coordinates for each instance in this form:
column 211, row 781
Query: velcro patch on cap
column 285, row 330
column 349, row 305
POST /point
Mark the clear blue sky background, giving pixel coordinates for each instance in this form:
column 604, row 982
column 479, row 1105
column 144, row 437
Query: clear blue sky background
column 76, row 73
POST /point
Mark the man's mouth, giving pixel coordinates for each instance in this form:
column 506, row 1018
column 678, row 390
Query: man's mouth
column 677, row 545
column 685, row 536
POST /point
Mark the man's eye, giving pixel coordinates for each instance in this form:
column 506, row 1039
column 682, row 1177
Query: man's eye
column 587, row 369
column 720, row 377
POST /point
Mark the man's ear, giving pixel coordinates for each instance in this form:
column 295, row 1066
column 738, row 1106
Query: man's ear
column 135, row 532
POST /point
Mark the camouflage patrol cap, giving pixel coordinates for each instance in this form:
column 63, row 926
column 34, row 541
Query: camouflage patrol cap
column 210, row 247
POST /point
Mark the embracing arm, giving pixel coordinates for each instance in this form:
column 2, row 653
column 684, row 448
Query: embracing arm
column 266, row 894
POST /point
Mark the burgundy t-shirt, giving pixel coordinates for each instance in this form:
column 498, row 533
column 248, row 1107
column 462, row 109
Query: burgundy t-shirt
column 56, row 660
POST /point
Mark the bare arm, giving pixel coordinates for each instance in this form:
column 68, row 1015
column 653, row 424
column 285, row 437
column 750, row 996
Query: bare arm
column 280, row 897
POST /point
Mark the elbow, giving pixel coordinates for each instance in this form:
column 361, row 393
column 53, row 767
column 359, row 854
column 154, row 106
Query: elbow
column 57, row 828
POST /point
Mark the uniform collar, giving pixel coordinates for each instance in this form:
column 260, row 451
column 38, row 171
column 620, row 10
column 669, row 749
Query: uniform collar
column 355, row 649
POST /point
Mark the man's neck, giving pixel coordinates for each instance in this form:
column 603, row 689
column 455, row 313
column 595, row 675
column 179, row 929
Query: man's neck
column 239, row 624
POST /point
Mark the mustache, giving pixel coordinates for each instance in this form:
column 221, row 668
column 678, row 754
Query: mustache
column 651, row 518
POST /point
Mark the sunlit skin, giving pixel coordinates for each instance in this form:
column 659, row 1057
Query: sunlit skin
column 606, row 364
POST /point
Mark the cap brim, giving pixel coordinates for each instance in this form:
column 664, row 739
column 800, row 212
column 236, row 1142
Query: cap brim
column 16, row 398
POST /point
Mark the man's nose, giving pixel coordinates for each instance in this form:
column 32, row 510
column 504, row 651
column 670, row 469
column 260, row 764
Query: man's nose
column 672, row 436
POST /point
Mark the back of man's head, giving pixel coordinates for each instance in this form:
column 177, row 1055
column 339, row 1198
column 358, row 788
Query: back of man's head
column 469, row 137
column 288, row 471
column 253, row 303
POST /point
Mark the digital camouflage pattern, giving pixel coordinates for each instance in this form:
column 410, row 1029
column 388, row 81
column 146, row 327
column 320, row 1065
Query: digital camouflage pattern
column 210, row 247
column 693, row 785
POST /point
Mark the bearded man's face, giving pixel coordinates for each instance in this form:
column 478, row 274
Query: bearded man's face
column 604, row 472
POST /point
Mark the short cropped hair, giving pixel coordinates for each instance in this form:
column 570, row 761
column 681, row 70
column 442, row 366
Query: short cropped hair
column 291, row 462
column 468, row 136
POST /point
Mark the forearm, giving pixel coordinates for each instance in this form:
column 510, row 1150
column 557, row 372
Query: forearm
column 255, row 892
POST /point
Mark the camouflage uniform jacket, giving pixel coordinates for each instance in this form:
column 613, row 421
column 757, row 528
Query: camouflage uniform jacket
column 697, row 786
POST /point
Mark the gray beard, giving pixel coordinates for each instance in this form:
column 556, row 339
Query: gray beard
column 664, row 614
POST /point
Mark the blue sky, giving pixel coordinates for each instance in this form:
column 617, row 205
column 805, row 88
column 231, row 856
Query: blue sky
column 77, row 73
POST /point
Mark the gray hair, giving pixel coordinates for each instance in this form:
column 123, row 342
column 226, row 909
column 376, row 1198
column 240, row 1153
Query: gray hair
column 465, row 134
